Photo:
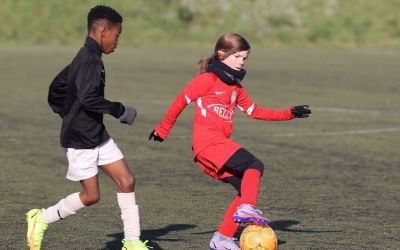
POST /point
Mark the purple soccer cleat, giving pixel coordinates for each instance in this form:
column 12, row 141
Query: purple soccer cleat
column 248, row 215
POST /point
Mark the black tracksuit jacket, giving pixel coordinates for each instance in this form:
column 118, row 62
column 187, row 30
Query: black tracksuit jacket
column 77, row 95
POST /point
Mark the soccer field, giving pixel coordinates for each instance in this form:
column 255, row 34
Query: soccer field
column 331, row 181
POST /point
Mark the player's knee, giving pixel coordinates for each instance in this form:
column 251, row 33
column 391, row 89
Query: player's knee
column 258, row 165
column 94, row 199
column 90, row 199
column 127, row 183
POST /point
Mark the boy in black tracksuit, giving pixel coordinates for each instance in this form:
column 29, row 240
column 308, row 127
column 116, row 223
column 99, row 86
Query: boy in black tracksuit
column 77, row 95
column 84, row 105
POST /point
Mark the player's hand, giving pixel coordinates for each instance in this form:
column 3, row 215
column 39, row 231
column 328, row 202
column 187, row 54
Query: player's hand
column 128, row 117
column 301, row 111
column 155, row 136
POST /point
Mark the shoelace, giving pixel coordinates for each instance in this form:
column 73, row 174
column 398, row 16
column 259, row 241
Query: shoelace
column 258, row 211
column 145, row 244
column 253, row 211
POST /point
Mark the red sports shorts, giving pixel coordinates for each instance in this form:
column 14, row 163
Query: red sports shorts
column 212, row 158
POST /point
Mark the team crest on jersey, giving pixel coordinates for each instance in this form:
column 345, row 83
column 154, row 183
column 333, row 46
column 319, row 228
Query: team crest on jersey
column 233, row 97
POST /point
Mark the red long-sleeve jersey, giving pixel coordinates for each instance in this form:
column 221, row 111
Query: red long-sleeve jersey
column 215, row 103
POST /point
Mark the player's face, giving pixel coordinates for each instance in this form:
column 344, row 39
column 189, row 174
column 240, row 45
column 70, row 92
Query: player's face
column 110, row 37
column 237, row 60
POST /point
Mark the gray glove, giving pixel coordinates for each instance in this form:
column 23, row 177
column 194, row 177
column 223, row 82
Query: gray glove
column 128, row 116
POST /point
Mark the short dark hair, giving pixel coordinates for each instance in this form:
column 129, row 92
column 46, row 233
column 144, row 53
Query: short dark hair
column 103, row 13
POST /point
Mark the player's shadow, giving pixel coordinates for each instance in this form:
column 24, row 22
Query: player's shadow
column 152, row 235
column 281, row 225
column 284, row 225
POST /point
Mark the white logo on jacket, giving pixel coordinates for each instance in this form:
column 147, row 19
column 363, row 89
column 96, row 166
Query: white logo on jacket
column 222, row 111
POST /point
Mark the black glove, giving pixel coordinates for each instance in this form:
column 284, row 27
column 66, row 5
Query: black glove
column 128, row 116
column 301, row 111
column 155, row 136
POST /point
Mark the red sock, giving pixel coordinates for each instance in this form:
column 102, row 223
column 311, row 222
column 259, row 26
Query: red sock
column 228, row 227
column 249, row 187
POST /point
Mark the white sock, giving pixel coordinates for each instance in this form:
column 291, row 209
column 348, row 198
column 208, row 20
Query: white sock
column 129, row 215
column 64, row 208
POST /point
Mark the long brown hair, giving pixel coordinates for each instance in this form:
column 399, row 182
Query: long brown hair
column 228, row 44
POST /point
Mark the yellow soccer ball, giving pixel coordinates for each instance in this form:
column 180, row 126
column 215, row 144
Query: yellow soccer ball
column 258, row 238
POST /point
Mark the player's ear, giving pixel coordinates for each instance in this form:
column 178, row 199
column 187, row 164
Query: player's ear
column 103, row 30
column 220, row 54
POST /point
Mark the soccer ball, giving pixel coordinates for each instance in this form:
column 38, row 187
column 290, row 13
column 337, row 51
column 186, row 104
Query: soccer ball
column 258, row 238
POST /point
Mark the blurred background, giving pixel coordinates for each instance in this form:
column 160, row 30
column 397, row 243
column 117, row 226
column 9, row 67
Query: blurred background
column 272, row 23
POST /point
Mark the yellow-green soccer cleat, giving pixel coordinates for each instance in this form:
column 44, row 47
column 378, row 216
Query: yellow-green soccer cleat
column 134, row 245
column 36, row 228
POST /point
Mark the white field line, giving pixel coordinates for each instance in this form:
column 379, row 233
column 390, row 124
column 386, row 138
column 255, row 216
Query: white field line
column 182, row 137
column 349, row 132
column 347, row 110
column 336, row 133
column 154, row 102
column 324, row 109
column 388, row 52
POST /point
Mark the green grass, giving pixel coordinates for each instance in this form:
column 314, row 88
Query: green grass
column 331, row 181
column 313, row 23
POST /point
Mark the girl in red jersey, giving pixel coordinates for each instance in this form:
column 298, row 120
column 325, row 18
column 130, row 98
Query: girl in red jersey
column 216, row 91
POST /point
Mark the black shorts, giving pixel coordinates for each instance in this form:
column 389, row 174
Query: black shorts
column 239, row 162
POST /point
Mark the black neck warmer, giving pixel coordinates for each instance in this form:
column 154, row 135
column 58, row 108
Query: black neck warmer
column 226, row 73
